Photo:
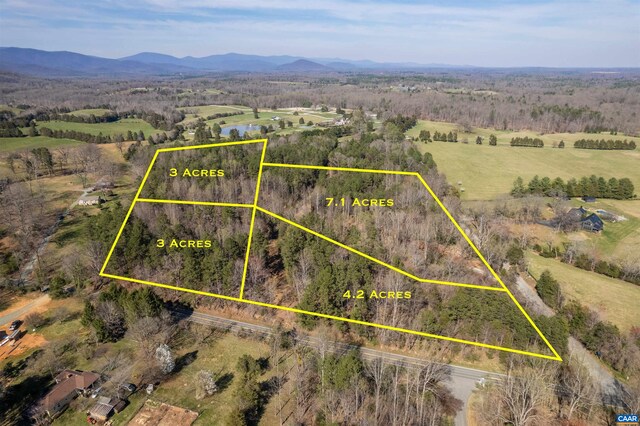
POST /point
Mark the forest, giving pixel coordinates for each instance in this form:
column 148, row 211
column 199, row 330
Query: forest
column 204, row 247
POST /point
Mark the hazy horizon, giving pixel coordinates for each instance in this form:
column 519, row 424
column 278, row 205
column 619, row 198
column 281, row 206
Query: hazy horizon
column 499, row 33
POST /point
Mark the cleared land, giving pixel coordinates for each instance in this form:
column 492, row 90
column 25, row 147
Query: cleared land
column 609, row 297
column 114, row 128
column 156, row 413
column 94, row 111
column 619, row 240
column 264, row 117
column 487, row 172
column 27, row 143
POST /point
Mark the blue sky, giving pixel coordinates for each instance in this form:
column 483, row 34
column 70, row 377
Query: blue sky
column 603, row 33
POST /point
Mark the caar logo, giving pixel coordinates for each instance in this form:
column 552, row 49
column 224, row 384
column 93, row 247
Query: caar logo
column 627, row 419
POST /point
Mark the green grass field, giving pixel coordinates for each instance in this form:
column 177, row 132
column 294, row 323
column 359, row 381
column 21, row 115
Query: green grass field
column 487, row 172
column 264, row 117
column 95, row 111
column 117, row 127
column 27, row 143
column 5, row 107
column 607, row 296
column 204, row 110
column 618, row 240
column 219, row 356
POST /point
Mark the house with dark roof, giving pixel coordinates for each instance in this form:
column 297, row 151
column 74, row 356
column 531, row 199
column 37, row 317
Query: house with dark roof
column 576, row 214
column 592, row 223
column 69, row 384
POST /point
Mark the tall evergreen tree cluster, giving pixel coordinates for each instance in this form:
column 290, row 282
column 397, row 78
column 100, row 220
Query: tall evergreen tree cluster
column 609, row 144
column 527, row 141
column 592, row 186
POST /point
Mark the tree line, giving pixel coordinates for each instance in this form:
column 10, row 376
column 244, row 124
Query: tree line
column 165, row 121
column 625, row 271
column 592, row 186
column 600, row 337
column 527, row 141
column 404, row 123
column 107, row 117
column 116, row 309
column 609, row 144
column 223, row 114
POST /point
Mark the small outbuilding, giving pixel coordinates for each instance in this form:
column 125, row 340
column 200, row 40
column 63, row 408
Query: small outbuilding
column 90, row 200
column 103, row 409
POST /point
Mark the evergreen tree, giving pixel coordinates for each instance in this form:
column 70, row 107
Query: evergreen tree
column 549, row 290
column 32, row 129
column 518, row 188
column 200, row 135
column 234, row 134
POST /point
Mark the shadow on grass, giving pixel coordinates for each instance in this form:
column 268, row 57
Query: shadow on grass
column 224, row 381
column 185, row 360
column 19, row 398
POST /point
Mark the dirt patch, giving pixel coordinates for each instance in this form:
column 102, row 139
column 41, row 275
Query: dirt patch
column 155, row 413
column 19, row 302
column 25, row 343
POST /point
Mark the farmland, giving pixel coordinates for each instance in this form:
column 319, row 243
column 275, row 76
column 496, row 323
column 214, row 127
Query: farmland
column 607, row 296
column 27, row 143
column 487, row 172
column 265, row 117
column 112, row 129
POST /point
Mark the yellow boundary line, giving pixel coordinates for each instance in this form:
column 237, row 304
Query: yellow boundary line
column 366, row 256
column 341, row 169
column 190, row 203
column 126, row 218
column 255, row 207
column 321, row 315
column 210, row 145
column 253, row 218
column 495, row 275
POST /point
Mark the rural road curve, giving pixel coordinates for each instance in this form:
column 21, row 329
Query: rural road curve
column 462, row 379
column 21, row 312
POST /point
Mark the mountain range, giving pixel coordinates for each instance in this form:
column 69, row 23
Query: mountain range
column 70, row 64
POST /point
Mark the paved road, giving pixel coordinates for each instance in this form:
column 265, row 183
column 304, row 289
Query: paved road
column 23, row 311
column 462, row 380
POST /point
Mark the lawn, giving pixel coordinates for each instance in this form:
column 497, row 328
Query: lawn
column 618, row 240
column 487, row 172
column 27, row 143
column 220, row 357
column 612, row 299
column 114, row 128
